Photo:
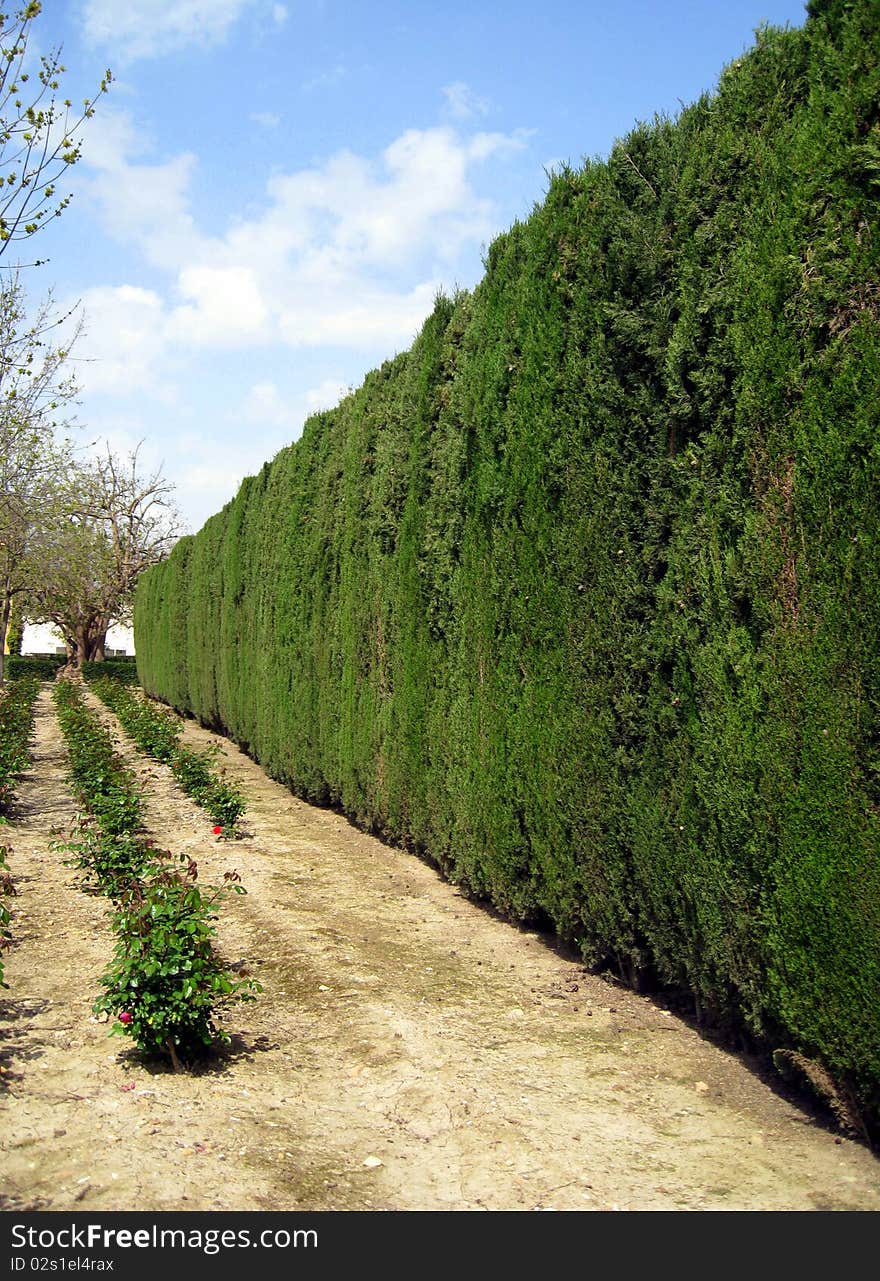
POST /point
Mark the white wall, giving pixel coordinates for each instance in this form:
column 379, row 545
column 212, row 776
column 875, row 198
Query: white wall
column 40, row 638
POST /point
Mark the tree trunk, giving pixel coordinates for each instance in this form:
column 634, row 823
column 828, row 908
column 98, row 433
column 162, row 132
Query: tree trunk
column 15, row 629
column 80, row 646
column 5, row 610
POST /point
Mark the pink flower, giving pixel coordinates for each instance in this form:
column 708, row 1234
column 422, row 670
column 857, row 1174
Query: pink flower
column 125, row 1017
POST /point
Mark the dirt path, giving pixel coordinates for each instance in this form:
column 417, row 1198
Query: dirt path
column 409, row 1051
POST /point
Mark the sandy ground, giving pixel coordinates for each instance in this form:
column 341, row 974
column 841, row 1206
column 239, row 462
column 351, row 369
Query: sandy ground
column 409, row 1050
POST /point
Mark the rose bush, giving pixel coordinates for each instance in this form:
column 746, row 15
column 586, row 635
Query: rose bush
column 166, row 981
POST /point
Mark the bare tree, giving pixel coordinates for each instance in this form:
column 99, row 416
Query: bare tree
column 39, row 142
column 117, row 523
column 35, row 460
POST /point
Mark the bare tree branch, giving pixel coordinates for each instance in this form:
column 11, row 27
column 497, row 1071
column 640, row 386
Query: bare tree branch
column 39, row 138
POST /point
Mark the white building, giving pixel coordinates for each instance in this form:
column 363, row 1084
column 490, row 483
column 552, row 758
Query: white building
column 42, row 638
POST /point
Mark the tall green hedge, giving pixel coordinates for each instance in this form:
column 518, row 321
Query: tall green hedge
column 581, row 594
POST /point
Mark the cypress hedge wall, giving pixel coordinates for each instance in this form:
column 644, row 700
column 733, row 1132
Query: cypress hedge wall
column 580, row 596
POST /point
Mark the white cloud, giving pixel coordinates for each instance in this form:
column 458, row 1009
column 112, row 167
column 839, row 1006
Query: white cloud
column 124, row 343
column 144, row 28
column 352, row 213
column 463, row 103
column 226, row 310
column 113, row 140
column 484, row 145
column 349, row 252
column 142, row 203
column 219, row 478
column 326, row 395
column 134, row 341
column 326, row 79
column 266, row 406
column 279, row 14
column 265, row 119
column 377, row 320
column 209, row 472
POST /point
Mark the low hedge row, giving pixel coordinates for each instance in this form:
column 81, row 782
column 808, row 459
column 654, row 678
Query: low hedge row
column 46, row 668
column 21, row 666
column 157, row 732
column 166, row 980
column 16, row 722
column 123, row 669
column 100, row 779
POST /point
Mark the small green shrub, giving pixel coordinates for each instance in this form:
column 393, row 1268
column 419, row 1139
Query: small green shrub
column 225, row 804
column 113, row 861
column 20, row 667
column 166, row 981
column 195, row 773
column 16, row 722
column 123, row 669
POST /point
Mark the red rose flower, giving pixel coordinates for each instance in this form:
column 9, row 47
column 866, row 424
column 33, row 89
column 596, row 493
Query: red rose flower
column 217, row 830
column 125, row 1017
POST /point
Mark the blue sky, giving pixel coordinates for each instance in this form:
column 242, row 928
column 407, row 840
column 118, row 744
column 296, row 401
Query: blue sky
column 272, row 193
